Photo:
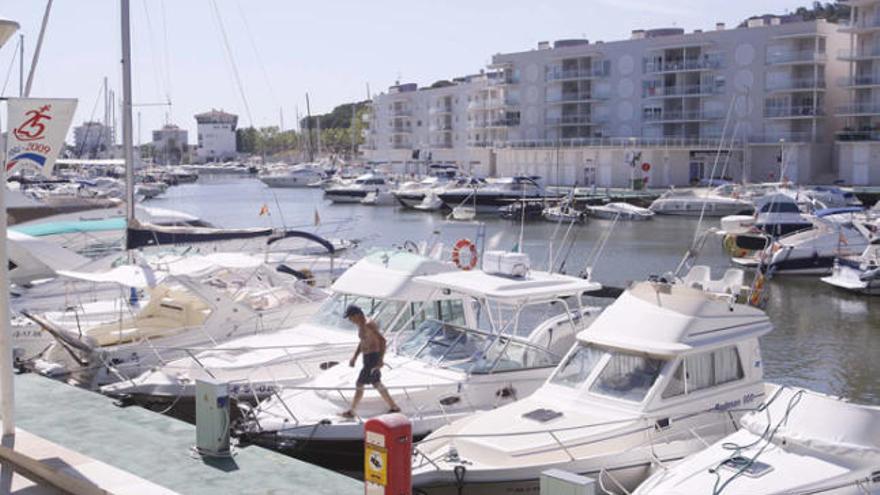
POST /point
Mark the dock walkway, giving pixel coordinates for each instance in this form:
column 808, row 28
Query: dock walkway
column 157, row 448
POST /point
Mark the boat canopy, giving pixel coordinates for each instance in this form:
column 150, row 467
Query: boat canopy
column 665, row 320
column 535, row 287
column 390, row 275
column 71, row 227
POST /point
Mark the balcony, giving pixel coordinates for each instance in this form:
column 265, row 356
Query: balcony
column 559, row 74
column 504, row 80
column 861, row 25
column 401, row 146
column 867, row 134
column 493, row 123
column 401, row 129
column 575, row 97
column 683, row 65
column 795, row 57
column 859, row 109
column 492, row 104
column 401, row 112
column 693, row 90
column 442, row 143
column 860, row 81
column 867, row 53
column 574, row 119
column 670, row 116
column 443, row 127
column 793, row 112
column 781, row 137
column 799, row 84
column 440, row 109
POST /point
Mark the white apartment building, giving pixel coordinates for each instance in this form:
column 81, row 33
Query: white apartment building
column 858, row 142
column 585, row 112
column 92, row 139
column 169, row 144
column 216, row 131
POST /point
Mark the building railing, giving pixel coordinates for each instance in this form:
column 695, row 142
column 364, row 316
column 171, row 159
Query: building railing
column 863, row 135
column 677, row 115
column 483, row 124
column 859, row 53
column 558, row 74
column 441, row 109
column 781, row 137
column 794, row 84
column 577, row 119
column 401, row 112
column 705, row 63
column 444, row 127
column 863, row 80
column 503, row 81
column 401, row 129
column 861, row 23
column 491, row 104
column 859, row 109
column 793, row 111
column 617, row 142
column 789, row 56
column 681, row 90
column 574, row 97
column 401, row 146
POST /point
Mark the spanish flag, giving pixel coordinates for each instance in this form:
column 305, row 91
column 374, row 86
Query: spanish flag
column 264, row 210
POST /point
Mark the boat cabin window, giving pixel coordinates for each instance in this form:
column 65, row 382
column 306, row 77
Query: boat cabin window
column 780, row 207
column 578, row 366
column 449, row 311
column 331, row 312
column 474, row 351
column 704, row 370
column 627, row 376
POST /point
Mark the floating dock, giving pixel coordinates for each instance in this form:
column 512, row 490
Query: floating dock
column 115, row 447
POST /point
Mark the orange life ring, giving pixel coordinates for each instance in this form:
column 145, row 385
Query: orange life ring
column 461, row 245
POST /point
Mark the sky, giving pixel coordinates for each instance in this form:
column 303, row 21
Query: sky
column 332, row 49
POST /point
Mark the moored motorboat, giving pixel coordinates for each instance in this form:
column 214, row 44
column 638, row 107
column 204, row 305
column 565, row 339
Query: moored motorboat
column 620, row 211
column 621, row 401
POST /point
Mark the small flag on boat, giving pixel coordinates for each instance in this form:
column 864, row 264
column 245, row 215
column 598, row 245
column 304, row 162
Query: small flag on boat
column 264, row 210
column 317, row 217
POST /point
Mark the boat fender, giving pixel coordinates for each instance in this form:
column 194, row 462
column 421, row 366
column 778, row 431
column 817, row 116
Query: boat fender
column 461, row 245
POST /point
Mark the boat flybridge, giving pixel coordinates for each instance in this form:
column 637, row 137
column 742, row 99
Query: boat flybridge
column 357, row 190
column 485, row 339
column 161, row 308
column 688, row 202
column 383, row 284
column 440, row 177
column 666, row 368
column 805, row 442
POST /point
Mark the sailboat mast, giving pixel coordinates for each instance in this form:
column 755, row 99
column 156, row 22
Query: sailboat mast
column 126, row 113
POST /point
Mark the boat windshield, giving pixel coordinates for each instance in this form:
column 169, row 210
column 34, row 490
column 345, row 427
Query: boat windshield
column 330, row 314
column 621, row 374
column 474, row 351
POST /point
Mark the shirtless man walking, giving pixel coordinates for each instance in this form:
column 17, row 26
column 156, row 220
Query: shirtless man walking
column 372, row 345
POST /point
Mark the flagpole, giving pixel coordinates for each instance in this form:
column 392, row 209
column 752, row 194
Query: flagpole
column 7, row 387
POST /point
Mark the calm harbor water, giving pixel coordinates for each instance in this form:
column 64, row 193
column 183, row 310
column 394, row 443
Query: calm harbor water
column 825, row 339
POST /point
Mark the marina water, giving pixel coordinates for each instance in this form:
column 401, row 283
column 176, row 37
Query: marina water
column 825, row 339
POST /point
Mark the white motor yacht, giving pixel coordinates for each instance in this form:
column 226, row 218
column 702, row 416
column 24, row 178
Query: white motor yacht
column 859, row 274
column 620, row 211
column 693, row 203
column 494, row 339
column 382, row 284
column 662, row 372
column 301, row 175
column 161, row 309
column 803, row 443
column 497, row 193
column 564, row 212
column 357, row 190
column 812, row 252
column 776, row 215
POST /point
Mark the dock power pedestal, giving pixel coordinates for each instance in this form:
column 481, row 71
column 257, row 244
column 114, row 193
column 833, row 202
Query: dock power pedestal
column 212, row 418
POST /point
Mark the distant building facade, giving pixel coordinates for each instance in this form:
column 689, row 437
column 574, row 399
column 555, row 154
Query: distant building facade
column 169, row 145
column 93, row 139
column 577, row 112
column 216, row 136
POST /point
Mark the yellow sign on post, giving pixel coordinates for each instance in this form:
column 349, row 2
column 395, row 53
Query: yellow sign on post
column 376, row 465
